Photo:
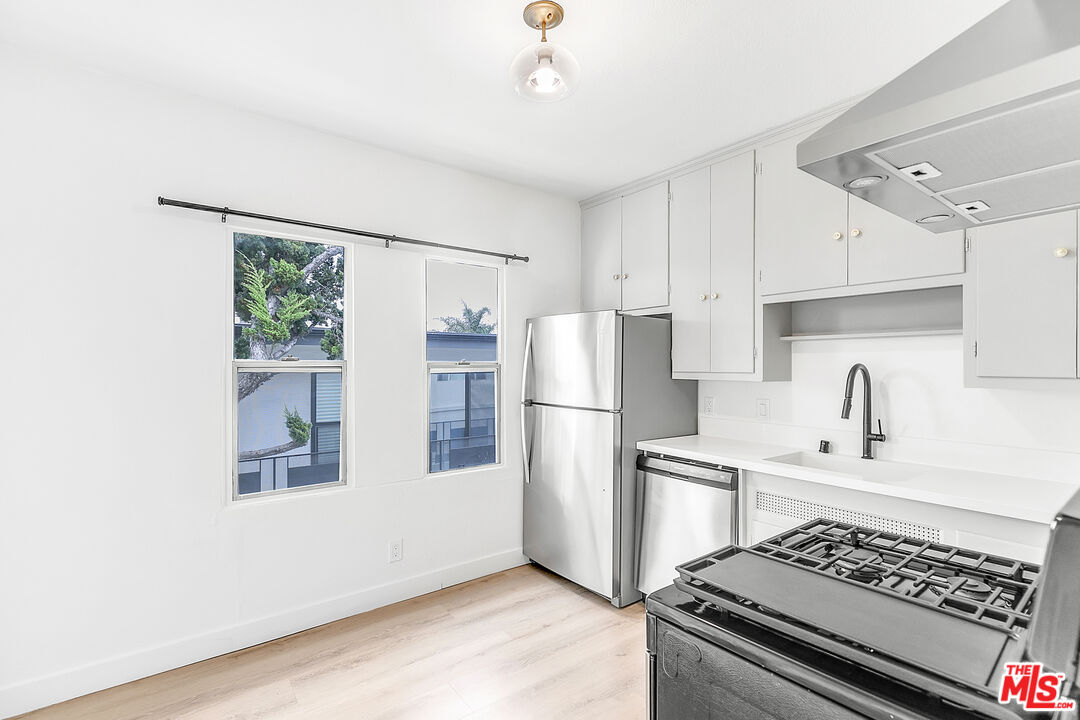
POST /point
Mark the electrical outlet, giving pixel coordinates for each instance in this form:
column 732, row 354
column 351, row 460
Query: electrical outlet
column 763, row 408
column 393, row 550
column 708, row 405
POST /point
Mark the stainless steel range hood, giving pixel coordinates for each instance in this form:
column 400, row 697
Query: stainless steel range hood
column 985, row 129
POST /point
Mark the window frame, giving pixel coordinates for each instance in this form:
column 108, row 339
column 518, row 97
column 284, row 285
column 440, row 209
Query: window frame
column 432, row 368
column 276, row 366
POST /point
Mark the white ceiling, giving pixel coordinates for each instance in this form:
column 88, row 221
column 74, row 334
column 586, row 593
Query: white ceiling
column 663, row 81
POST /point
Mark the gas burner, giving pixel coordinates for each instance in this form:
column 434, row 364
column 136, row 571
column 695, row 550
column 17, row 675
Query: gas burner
column 860, row 564
column 974, row 589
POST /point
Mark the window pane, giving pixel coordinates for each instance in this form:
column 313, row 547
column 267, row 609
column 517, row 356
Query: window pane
column 462, row 312
column 462, row 428
column 279, row 446
column 288, row 299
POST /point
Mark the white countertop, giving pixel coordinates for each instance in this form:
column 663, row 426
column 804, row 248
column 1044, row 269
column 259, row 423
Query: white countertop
column 1005, row 495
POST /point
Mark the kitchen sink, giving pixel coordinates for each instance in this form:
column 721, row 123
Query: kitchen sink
column 872, row 470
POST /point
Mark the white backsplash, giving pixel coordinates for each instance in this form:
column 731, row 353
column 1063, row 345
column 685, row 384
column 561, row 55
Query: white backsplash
column 927, row 414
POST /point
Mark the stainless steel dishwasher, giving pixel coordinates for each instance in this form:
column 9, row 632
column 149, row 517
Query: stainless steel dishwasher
column 688, row 508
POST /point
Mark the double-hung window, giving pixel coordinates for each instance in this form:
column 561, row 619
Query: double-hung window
column 463, row 365
column 288, row 365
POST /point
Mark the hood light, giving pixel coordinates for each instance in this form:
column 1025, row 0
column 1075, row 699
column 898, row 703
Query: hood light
column 865, row 182
column 930, row 219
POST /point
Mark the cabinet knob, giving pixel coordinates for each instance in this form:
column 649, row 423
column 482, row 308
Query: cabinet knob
column 856, row 232
column 838, row 236
column 615, row 276
column 1061, row 252
column 626, row 276
column 716, row 296
column 701, row 298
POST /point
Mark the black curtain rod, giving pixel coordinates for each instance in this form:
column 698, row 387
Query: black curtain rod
column 225, row 212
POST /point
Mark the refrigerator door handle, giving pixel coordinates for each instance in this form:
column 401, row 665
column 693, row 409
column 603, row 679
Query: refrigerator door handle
column 525, row 403
column 525, row 362
column 525, row 445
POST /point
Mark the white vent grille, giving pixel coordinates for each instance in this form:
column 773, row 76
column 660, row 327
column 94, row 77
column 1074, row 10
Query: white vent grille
column 807, row 510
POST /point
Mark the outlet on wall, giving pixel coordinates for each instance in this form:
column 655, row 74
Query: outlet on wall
column 763, row 408
column 708, row 405
column 394, row 550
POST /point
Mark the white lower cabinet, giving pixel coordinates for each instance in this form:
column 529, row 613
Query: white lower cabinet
column 771, row 504
column 712, row 268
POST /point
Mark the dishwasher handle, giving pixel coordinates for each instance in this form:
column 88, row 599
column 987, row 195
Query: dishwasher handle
column 717, row 476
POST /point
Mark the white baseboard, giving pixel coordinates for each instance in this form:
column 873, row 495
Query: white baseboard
column 77, row 681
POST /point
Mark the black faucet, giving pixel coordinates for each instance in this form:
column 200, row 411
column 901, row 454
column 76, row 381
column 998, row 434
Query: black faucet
column 868, row 435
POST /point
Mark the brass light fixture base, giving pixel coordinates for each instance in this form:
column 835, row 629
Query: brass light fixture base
column 543, row 14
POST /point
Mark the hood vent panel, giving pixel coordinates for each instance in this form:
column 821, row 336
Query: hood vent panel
column 1021, row 195
column 1029, row 138
column 992, row 118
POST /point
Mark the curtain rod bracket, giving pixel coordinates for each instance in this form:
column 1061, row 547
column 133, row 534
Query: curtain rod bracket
column 225, row 214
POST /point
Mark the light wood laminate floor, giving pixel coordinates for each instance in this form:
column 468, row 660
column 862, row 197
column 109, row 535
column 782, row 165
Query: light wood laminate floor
column 517, row 645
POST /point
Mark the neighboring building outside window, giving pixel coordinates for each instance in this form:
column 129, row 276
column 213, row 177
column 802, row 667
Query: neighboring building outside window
column 289, row 371
column 463, row 354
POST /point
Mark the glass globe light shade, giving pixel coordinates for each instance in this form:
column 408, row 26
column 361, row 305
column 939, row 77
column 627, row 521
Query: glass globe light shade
column 545, row 72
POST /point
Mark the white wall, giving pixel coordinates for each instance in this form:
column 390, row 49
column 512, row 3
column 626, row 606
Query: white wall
column 120, row 555
column 926, row 412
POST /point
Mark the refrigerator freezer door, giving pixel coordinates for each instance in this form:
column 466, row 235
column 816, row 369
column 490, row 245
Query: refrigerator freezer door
column 569, row 499
column 575, row 361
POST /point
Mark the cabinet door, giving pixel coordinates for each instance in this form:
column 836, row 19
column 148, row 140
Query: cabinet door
column 1025, row 298
column 732, row 286
column 690, row 272
column 645, row 248
column 601, row 268
column 882, row 247
column 798, row 217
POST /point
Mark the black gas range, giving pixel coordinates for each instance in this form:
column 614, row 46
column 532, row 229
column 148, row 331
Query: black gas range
column 830, row 620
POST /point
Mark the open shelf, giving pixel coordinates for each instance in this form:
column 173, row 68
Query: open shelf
column 841, row 335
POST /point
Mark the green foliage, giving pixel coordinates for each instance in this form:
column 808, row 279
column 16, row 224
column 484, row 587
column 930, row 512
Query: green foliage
column 299, row 431
column 286, row 274
column 471, row 321
column 282, row 304
column 333, row 344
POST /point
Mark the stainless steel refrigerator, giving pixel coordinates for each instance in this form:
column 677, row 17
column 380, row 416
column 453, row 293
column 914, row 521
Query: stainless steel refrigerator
column 593, row 385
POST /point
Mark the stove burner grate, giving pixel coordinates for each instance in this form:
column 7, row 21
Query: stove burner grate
column 988, row 588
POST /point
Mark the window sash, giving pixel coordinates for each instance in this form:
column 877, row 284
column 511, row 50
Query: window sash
column 440, row 368
column 286, row 366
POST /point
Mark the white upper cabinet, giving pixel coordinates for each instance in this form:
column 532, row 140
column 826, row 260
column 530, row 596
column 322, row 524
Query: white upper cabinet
column 801, row 224
column 712, row 268
column 645, row 248
column 691, row 279
column 601, row 256
column 624, row 252
column 883, row 247
column 732, row 288
column 1026, row 297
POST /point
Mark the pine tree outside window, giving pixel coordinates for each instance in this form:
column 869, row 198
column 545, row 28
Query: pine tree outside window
column 288, row 365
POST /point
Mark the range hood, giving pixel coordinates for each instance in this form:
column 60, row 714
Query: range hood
column 984, row 130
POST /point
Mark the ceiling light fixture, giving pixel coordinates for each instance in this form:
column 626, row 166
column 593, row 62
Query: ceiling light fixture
column 544, row 72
